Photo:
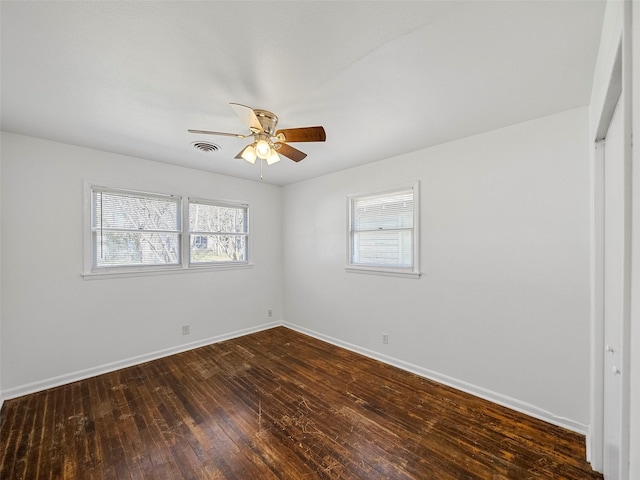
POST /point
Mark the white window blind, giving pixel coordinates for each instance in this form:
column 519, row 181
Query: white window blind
column 383, row 230
column 218, row 232
column 134, row 229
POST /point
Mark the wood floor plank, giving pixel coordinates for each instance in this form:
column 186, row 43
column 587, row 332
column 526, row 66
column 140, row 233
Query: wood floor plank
column 275, row 405
column 19, row 449
column 36, row 435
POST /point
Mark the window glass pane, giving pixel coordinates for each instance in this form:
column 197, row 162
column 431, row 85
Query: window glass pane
column 382, row 231
column 219, row 232
column 217, row 218
column 218, row 248
column 135, row 249
column 387, row 211
column 383, row 248
column 124, row 211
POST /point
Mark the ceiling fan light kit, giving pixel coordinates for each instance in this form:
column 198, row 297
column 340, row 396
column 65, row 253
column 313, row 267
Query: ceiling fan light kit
column 248, row 154
column 262, row 127
column 263, row 149
column 273, row 157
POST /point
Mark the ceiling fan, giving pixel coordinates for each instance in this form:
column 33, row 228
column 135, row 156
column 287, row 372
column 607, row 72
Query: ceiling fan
column 268, row 144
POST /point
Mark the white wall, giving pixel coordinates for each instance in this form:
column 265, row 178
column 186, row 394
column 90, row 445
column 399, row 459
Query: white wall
column 502, row 308
column 57, row 327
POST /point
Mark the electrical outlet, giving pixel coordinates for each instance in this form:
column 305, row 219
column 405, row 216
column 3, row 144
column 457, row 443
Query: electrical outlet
column 269, row 313
column 385, row 338
column 185, row 329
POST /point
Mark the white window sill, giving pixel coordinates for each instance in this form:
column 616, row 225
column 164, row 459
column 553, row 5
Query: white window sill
column 134, row 272
column 388, row 272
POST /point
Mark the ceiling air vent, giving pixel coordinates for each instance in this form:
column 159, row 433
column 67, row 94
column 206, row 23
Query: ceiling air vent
column 206, row 146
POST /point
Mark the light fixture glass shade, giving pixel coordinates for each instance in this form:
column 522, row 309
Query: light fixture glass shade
column 273, row 157
column 263, row 149
column 249, row 154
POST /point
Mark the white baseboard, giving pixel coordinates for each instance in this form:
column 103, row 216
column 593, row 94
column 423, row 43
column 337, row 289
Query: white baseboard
column 500, row 399
column 38, row 386
column 475, row 390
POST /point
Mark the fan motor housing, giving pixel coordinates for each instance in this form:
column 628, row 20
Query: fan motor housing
column 268, row 120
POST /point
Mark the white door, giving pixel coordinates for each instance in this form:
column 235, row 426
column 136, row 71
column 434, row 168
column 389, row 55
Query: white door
column 613, row 293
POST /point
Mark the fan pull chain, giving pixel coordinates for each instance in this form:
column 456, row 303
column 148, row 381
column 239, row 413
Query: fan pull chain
column 261, row 165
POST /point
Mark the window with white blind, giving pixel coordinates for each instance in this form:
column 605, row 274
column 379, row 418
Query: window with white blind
column 133, row 232
column 135, row 229
column 218, row 232
column 383, row 232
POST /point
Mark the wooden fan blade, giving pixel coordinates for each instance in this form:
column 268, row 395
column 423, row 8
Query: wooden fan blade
column 207, row 132
column 289, row 152
column 248, row 116
column 303, row 134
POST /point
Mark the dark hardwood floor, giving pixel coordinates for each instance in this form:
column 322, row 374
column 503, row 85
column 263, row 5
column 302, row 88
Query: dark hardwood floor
column 275, row 405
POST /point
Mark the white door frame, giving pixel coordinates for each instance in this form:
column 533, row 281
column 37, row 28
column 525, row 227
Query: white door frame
column 618, row 88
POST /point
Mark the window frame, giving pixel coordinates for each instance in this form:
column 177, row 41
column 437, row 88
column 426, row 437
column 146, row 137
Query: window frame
column 188, row 232
column 412, row 271
column 91, row 271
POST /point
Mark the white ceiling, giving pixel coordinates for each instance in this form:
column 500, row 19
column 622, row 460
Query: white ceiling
column 383, row 77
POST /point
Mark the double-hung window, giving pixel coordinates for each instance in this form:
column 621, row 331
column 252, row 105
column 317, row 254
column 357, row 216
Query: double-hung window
column 218, row 232
column 383, row 232
column 133, row 232
column 134, row 229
